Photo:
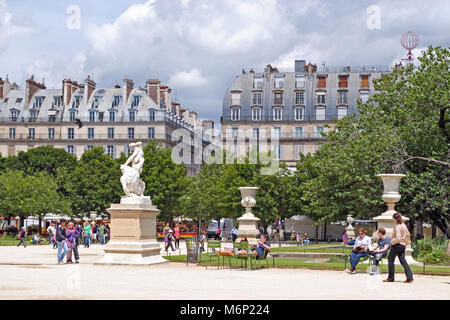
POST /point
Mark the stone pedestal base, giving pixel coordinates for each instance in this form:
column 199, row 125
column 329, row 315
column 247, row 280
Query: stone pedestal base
column 386, row 221
column 248, row 228
column 133, row 235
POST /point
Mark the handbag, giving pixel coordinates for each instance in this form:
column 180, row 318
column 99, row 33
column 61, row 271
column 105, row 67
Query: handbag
column 359, row 250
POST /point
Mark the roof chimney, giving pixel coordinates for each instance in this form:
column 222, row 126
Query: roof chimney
column 128, row 86
column 31, row 88
column 153, row 90
column 89, row 88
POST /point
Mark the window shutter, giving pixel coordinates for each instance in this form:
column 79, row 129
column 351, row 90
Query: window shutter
column 321, row 82
column 343, row 82
column 365, row 82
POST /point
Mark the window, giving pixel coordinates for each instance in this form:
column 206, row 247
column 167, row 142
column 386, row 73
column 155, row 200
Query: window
column 112, row 116
column 6, row 100
column 343, row 82
column 71, row 150
column 298, row 149
column 72, row 116
column 255, row 133
column 100, row 116
column 299, row 114
column 320, row 113
column 57, row 101
column 320, row 96
column 279, row 82
column 96, row 101
column 365, row 82
column 318, row 132
column 130, row 133
column 234, row 133
column 76, row 102
column 300, row 98
column 132, row 115
column 276, row 150
column 364, row 96
column 19, row 100
column 12, row 133
column 256, row 114
column 342, row 97
column 300, row 81
column 116, row 101
column 276, row 132
column 91, row 116
column 52, row 118
column 235, row 114
column 110, row 150
column 31, row 133
column 257, row 98
column 278, row 98
column 38, row 102
column 89, row 147
column 257, row 82
column 90, row 133
column 70, row 133
column 51, row 133
column 277, row 114
column 33, row 115
column 235, row 99
column 13, row 115
column 136, row 100
column 321, row 82
column 110, row 133
column 299, row 132
column 151, row 133
column 152, row 115
column 342, row 112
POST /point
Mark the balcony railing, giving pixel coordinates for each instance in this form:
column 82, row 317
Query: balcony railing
column 290, row 118
column 77, row 137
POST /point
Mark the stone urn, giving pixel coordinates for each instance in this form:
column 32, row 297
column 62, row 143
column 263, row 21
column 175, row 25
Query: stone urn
column 350, row 229
column 391, row 196
column 248, row 223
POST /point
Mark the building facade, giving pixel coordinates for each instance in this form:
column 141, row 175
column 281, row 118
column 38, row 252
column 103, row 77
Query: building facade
column 293, row 107
column 78, row 117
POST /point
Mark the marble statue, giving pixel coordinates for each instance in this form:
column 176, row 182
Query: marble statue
column 132, row 184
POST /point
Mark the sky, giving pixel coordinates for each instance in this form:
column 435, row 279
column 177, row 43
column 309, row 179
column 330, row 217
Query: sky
column 198, row 47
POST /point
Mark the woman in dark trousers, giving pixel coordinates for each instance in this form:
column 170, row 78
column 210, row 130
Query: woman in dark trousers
column 398, row 246
column 22, row 238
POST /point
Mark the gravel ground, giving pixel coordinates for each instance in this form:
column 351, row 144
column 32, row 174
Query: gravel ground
column 32, row 273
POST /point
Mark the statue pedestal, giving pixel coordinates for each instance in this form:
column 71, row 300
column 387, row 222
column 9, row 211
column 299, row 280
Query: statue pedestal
column 248, row 228
column 386, row 221
column 133, row 234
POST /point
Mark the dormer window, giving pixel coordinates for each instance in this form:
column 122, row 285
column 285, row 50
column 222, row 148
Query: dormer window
column 33, row 115
column 96, row 102
column 256, row 113
column 321, row 82
column 279, row 82
column 57, row 101
column 72, row 115
column 343, row 82
column 257, row 98
column 300, row 81
column 76, row 102
column 342, row 97
column 136, row 100
column 236, row 99
column 38, row 102
column 278, row 98
column 342, row 112
column 116, row 101
column 320, row 97
column 299, row 113
column 300, row 98
column 14, row 114
column 19, row 100
column 257, row 82
column 235, row 114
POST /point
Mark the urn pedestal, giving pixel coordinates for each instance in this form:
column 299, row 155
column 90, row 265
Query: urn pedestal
column 248, row 223
column 133, row 234
column 391, row 196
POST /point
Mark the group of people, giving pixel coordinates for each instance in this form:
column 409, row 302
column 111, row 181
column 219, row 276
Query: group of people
column 260, row 250
column 171, row 236
column 384, row 247
column 300, row 239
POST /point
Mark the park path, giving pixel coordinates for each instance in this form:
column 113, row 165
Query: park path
column 32, row 273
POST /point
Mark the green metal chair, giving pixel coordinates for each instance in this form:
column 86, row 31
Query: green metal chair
column 243, row 258
column 258, row 260
column 211, row 252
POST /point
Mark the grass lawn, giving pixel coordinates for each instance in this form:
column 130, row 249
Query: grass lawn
column 10, row 241
column 333, row 264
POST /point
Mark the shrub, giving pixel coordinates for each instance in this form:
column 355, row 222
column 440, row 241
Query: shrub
column 430, row 250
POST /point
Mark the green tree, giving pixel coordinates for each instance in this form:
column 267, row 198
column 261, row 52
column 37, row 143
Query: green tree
column 165, row 181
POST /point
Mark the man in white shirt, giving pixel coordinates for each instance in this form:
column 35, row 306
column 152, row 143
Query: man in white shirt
column 362, row 243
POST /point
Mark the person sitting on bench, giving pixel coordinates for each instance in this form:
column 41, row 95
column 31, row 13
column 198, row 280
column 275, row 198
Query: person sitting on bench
column 380, row 249
column 360, row 249
column 261, row 249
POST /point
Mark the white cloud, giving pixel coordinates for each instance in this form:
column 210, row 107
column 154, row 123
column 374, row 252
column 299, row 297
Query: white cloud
column 9, row 29
column 187, row 79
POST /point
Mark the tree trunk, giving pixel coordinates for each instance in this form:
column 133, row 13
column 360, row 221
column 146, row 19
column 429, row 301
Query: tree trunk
column 317, row 234
column 433, row 231
column 420, row 228
column 412, row 225
column 21, row 221
column 325, row 231
column 40, row 225
column 441, row 222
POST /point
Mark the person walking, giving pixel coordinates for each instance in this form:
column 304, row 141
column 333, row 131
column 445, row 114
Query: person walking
column 400, row 237
column 234, row 233
column 22, row 237
column 61, row 240
column 87, row 228
column 166, row 230
column 71, row 238
column 51, row 231
column 168, row 240
column 101, row 232
column 95, row 233
column 176, row 234
column 218, row 231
